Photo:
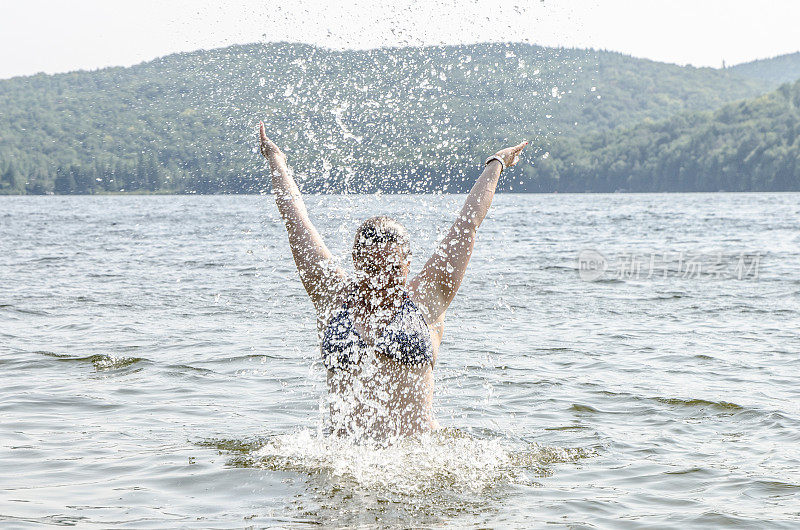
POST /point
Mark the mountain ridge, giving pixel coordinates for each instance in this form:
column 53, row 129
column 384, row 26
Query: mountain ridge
column 392, row 118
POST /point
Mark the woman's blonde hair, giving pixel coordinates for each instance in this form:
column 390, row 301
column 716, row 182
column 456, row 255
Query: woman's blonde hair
column 381, row 230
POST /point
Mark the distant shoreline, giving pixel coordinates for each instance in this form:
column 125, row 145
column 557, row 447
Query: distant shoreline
column 339, row 194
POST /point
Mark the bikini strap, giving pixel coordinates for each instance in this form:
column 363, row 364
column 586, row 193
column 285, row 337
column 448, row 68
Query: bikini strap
column 350, row 291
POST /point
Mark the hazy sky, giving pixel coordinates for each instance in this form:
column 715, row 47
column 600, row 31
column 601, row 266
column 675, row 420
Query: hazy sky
column 58, row 36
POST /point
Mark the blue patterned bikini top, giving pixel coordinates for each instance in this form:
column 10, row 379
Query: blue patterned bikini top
column 406, row 338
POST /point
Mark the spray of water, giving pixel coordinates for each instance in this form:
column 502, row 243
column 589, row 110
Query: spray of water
column 430, row 465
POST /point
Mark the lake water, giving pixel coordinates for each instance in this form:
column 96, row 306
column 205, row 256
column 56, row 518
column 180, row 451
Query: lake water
column 159, row 366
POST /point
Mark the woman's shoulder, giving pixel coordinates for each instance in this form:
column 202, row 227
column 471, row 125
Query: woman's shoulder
column 418, row 302
column 332, row 305
column 435, row 327
column 337, row 295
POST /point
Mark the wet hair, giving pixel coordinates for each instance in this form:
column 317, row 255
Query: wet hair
column 381, row 230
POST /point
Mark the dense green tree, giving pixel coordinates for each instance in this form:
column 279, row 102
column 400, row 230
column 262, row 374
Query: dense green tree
column 65, row 182
column 11, row 180
column 752, row 145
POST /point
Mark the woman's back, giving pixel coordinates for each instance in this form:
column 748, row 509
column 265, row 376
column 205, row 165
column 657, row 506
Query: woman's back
column 381, row 385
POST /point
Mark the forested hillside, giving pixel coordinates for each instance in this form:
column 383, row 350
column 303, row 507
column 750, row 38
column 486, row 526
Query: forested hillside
column 752, row 145
column 777, row 70
column 391, row 118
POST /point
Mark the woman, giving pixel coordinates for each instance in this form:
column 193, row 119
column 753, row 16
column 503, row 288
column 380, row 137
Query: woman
column 380, row 332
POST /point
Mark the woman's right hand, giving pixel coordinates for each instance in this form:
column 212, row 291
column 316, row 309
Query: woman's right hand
column 268, row 148
column 510, row 155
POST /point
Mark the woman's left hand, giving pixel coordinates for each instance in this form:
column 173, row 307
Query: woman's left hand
column 510, row 155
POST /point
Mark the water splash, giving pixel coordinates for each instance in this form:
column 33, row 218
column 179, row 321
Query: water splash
column 448, row 460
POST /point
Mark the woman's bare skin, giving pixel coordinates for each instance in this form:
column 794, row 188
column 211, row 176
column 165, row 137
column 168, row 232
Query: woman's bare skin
column 382, row 397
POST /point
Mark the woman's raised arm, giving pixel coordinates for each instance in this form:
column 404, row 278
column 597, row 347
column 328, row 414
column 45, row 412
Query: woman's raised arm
column 436, row 285
column 320, row 276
